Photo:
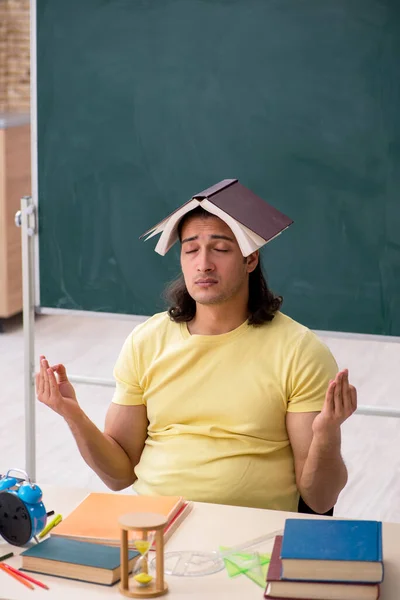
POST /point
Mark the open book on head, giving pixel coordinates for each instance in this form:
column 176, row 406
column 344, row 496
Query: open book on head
column 252, row 221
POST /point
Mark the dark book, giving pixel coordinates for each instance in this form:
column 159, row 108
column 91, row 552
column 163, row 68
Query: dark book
column 252, row 221
column 94, row 563
column 310, row 590
column 332, row 550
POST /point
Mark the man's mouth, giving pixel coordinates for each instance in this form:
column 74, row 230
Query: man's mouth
column 206, row 282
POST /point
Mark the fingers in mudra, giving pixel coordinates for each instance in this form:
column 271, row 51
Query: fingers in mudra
column 61, row 373
column 353, row 393
column 329, row 406
column 347, row 393
column 45, row 381
column 338, row 396
column 46, row 391
column 345, row 396
column 53, row 385
column 41, row 380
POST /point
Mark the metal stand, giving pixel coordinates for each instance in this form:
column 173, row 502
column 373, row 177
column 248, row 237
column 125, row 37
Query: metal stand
column 25, row 218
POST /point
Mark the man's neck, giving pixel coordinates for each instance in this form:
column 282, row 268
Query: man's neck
column 215, row 320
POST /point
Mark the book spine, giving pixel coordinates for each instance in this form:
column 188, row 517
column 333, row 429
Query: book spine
column 380, row 551
column 175, row 522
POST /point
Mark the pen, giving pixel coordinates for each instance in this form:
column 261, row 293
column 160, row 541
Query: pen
column 25, row 576
column 5, row 556
column 57, row 519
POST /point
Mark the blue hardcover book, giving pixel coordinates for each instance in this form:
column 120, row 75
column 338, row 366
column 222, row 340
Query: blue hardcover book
column 85, row 561
column 332, row 550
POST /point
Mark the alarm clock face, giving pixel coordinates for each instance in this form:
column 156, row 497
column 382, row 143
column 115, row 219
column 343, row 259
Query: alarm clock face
column 15, row 522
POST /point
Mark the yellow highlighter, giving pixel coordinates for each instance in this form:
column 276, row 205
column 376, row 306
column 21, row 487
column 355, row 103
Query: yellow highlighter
column 57, row 519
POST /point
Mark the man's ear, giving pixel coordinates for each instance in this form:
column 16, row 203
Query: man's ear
column 252, row 261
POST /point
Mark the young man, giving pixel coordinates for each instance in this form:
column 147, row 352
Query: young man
column 222, row 399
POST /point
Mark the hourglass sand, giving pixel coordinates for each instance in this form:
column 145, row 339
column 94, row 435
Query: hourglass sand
column 142, row 584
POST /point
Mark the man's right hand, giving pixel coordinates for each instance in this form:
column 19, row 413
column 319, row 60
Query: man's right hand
column 58, row 395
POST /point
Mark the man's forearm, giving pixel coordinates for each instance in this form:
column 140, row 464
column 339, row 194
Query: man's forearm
column 324, row 473
column 103, row 454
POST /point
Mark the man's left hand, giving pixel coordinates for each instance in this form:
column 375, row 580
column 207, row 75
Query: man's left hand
column 340, row 403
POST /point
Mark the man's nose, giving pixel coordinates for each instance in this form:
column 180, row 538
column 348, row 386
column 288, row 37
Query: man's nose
column 205, row 264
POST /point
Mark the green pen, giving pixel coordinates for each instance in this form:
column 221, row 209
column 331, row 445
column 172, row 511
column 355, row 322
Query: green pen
column 57, row 519
column 9, row 555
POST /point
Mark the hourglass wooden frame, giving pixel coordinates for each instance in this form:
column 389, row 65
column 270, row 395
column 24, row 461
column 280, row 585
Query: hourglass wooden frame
column 143, row 523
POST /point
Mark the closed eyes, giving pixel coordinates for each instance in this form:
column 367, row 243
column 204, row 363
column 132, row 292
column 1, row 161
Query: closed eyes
column 196, row 249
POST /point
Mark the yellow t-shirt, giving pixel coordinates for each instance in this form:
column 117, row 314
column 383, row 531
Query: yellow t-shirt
column 216, row 406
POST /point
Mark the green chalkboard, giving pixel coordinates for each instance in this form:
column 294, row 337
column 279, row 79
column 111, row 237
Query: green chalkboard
column 143, row 103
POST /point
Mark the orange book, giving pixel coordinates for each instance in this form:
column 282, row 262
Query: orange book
column 95, row 519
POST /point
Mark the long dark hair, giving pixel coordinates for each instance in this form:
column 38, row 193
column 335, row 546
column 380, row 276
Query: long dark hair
column 262, row 305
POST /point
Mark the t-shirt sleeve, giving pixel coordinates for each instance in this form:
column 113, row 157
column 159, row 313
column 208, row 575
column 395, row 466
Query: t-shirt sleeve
column 312, row 368
column 128, row 390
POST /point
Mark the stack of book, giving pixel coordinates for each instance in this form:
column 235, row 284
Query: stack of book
column 327, row 559
column 85, row 545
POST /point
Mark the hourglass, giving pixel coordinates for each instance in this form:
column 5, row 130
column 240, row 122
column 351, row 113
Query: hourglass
column 149, row 528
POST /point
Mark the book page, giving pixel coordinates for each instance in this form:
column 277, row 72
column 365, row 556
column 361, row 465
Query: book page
column 170, row 231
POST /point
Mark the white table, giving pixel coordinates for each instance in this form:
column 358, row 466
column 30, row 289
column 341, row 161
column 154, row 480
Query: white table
column 206, row 528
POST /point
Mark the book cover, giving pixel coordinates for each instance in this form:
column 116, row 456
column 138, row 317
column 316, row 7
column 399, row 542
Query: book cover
column 251, row 211
column 188, row 205
column 309, row 590
column 76, row 560
column 332, row 539
column 95, row 519
column 332, row 550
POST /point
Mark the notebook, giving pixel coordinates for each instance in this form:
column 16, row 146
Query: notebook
column 95, row 519
column 312, row 590
column 332, row 550
column 84, row 561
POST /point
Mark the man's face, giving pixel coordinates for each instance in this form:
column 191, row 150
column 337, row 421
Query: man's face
column 212, row 264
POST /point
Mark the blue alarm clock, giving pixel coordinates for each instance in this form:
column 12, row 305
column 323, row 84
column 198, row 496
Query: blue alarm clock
column 22, row 512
